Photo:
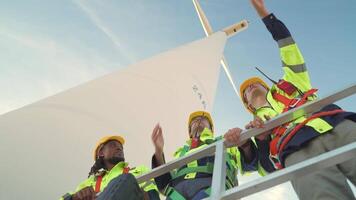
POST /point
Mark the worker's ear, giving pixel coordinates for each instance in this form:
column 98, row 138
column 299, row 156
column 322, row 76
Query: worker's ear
column 100, row 152
column 250, row 107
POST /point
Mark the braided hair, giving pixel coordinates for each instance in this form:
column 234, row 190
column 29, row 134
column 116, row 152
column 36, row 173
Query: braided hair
column 99, row 164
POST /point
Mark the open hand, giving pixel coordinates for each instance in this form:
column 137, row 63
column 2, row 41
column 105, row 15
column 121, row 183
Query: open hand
column 259, row 6
column 157, row 139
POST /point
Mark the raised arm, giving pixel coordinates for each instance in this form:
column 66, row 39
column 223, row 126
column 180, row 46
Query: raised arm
column 293, row 63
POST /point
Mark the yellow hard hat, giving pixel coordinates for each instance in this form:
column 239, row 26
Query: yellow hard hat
column 106, row 139
column 201, row 113
column 245, row 84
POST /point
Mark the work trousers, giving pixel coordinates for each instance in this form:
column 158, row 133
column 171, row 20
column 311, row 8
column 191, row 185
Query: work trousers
column 329, row 183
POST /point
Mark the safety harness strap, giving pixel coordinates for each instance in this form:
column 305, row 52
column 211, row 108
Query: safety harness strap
column 199, row 169
column 299, row 126
column 126, row 170
column 184, row 150
column 175, row 195
column 98, row 184
column 209, row 168
column 276, row 149
column 280, row 131
column 99, row 179
column 295, row 102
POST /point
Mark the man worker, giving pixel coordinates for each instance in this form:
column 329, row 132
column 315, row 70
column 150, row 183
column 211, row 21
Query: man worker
column 306, row 136
column 111, row 178
column 193, row 181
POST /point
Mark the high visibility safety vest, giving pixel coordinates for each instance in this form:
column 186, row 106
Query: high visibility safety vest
column 99, row 182
column 203, row 167
column 191, row 170
column 292, row 91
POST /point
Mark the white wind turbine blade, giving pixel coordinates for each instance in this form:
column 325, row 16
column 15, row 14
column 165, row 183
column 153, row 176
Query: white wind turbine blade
column 203, row 19
column 228, row 74
column 229, row 31
column 51, row 141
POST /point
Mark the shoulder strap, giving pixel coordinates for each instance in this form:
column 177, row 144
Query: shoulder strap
column 295, row 102
column 98, row 183
column 184, row 150
column 126, row 170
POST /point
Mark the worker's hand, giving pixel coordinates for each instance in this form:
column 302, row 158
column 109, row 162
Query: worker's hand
column 157, row 138
column 158, row 142
column 258, row 123
column 86, row 193
column 232, row 136
column 259, row 6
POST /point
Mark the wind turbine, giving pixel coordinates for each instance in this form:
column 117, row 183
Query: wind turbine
column 229, row 31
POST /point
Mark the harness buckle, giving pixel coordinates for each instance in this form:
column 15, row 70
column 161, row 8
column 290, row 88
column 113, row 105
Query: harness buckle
column 295, row 103
column 275, row 161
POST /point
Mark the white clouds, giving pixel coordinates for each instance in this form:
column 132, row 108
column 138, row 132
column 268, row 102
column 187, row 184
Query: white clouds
column 29, row 41
column 104, row 28
column 38, row 64
column 43, row 68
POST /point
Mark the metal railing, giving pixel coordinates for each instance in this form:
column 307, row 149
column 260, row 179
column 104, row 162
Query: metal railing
column 218, row 183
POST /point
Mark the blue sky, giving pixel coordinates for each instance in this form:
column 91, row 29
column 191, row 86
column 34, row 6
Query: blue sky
column 50, row 46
